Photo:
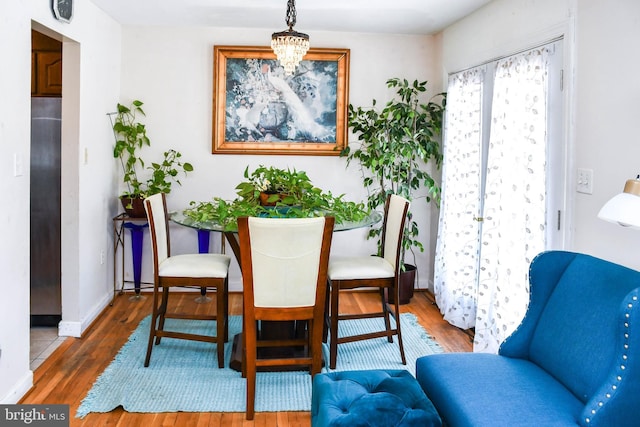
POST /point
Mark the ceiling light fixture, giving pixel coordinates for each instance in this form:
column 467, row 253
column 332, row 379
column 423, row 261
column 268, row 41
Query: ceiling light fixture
column 289, row 45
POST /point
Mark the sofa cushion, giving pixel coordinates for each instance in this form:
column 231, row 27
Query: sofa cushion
column 477, row 390
column 370, row 398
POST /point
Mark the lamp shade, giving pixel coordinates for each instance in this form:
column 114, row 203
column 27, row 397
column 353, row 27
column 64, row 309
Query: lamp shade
column 624, row 208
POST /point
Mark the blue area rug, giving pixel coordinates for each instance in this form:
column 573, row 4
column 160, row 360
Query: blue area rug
column 183, row 375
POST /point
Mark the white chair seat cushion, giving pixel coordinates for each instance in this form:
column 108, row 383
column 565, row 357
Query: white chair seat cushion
column 364, row 267
column 195, row 265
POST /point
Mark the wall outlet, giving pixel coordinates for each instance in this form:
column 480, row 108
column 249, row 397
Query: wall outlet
column 101, row 257
column 585, row 181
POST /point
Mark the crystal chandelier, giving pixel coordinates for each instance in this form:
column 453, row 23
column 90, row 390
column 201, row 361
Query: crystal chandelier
column 289, row 45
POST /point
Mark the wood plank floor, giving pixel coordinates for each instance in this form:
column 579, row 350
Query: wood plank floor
column 67, row 376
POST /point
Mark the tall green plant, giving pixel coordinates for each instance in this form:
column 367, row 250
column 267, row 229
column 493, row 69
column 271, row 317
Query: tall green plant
column 397, row 146
column 131, row 136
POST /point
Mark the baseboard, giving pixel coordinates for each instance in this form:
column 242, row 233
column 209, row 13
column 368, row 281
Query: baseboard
column 75, row 329
column 19, row 390
column 424, row 285
column 69, row 329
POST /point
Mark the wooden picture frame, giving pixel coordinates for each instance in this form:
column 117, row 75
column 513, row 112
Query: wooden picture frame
column 259, row 110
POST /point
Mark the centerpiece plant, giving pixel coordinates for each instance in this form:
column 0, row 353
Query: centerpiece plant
column 270, row 185
column 142, row 181
column 399, row 148
column 276, row 193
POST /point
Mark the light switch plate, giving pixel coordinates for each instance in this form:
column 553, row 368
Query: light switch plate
column 585, row 181
column 18, row 167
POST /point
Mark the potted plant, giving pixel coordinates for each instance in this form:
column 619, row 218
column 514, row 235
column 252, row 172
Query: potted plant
column 398, row 145
column 291, row 194
column 271, row 185
column 131, row 137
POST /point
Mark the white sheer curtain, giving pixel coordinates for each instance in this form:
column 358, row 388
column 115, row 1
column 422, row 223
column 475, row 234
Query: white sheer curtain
column 513, row 230
column 456, row 260
column 481, row 268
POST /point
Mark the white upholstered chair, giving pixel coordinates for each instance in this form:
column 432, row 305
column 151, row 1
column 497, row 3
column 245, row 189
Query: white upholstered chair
column 208, row 271
column 284, row 273
column 380, row 272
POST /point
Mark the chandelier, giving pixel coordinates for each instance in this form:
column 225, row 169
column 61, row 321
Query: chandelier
column 289, row 45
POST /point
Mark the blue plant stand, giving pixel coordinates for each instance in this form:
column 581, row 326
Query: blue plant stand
column 136, row 228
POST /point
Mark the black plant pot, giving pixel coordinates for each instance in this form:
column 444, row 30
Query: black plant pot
column 407, row 282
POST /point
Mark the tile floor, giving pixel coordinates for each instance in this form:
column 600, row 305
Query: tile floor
column 44, row 340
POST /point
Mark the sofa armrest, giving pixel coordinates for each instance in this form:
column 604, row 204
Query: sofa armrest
column 544, row 273
column 618, row 397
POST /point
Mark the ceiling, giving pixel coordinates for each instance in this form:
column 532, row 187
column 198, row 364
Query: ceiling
column 363, row 16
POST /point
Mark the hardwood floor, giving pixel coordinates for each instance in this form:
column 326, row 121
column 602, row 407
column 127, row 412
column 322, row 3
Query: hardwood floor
column 68, row 374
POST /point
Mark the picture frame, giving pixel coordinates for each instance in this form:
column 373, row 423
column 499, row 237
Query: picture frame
column 257, row 109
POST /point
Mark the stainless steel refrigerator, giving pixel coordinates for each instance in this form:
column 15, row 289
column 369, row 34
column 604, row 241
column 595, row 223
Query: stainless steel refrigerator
column 45, row 170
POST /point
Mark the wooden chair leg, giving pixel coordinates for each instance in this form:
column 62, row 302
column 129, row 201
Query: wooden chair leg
column 333, row 343
column 249, row 367
column 315, row 345
column 385, row 310
column 162, row 311
column 225, row 296
column 396, row 317
column 251, row 391
column 152, row 334
column 327, row 319
column 152, row 331
column 221, row 322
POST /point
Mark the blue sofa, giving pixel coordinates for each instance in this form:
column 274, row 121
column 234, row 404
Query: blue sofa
column 572, row 361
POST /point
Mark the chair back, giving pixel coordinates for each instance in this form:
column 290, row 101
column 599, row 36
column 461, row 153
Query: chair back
column 284, row 259
column 156, row 208
column 395, row 214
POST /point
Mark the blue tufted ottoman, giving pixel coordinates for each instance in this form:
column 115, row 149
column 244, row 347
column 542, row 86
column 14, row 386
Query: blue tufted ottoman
column 384, row 398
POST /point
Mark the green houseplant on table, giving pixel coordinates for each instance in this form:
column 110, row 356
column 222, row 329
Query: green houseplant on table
column 270, row 185
column 131, row 137
column 275, row 192
column 398, row 146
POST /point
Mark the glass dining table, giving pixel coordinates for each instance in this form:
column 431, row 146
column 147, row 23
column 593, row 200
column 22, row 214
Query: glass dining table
column 272, row 330
column 205, row 227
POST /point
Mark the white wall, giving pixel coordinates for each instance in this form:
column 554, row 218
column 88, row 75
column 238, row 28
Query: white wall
column 503, row 27
column 607, row 125
column 15, row 122
column 600, row 45
column 91, row 61
column 171, row 71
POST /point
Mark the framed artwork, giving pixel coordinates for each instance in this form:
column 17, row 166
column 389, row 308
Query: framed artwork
column 257, row 109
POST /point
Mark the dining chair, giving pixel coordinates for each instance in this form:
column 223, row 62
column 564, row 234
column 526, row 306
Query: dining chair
column 187, row 270
column 284, row 273
column 379, row 272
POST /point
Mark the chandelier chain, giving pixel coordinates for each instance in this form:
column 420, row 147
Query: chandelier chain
column 291, row 14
